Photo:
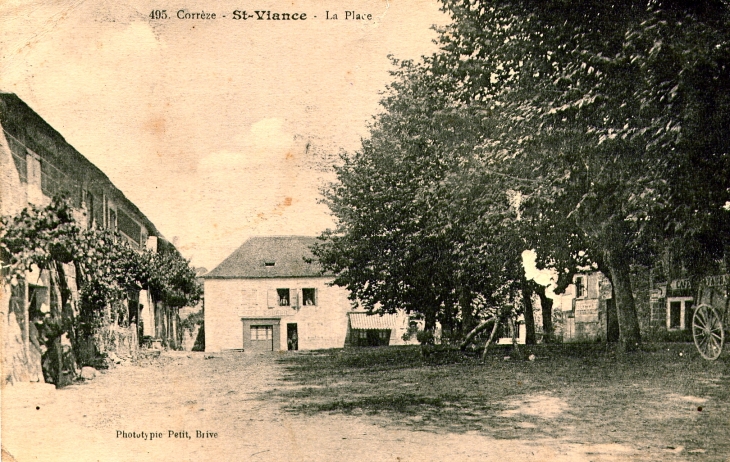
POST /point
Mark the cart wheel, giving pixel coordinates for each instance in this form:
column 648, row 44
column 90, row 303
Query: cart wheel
column 708, row 332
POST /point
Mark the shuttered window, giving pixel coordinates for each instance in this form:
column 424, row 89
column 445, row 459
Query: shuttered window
column 309, row 297
column 580, row 287
column 283, row 297
column 248, row 297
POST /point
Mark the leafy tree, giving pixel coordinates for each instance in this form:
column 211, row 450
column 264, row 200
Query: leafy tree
column 608, row 122
column 171, row 278
column 615, row 112
column 45, row 238
column 410, row 235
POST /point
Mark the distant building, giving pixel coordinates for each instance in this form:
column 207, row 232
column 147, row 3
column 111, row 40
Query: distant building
column 267, row 296
column 36, row 163
column 586, row 311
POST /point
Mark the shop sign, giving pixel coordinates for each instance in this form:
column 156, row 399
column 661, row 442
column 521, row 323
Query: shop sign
column 586, row 310
column 656, row 294
column 716, row 281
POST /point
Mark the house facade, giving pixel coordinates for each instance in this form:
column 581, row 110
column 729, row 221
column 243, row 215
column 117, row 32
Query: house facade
column 36, row 164
column 270, row 295
column 586, row 312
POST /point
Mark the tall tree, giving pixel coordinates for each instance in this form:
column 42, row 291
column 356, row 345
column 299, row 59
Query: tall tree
column 608, row 107
column 608, row 122
column 409, row 236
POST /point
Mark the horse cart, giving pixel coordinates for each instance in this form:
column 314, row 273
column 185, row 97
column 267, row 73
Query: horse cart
column 710, row 318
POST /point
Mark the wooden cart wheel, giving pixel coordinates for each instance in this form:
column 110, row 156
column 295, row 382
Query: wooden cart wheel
column 708, row 331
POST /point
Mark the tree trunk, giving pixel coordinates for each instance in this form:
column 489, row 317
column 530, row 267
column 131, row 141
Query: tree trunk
column 491, row 337
column 527, row 291
column 430, row 320
column 481, row 327
column 468, row 322
column 448, row 323
column 429, row 328
column 546, row 304
column 515, row 333
column 617, row 260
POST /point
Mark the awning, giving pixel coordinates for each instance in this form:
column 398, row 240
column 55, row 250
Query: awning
column 372, row 321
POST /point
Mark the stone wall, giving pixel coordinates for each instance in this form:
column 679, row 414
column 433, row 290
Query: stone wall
column 118, row 343
column 21, row 356
column 323, row 325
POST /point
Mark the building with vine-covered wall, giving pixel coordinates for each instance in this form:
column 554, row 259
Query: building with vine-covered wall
column 37, row 164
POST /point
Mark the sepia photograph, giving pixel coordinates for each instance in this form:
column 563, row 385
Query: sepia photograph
column 383, row 230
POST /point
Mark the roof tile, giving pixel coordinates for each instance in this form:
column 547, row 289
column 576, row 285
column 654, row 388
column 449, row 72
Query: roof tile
column 287, row 253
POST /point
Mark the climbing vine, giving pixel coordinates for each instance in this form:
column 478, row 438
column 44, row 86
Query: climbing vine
column 106, row 268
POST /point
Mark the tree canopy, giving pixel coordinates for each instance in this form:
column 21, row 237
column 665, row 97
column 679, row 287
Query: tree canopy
column 590, row 131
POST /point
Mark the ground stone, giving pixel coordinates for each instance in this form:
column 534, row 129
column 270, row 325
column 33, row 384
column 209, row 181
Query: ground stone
column 88, row 373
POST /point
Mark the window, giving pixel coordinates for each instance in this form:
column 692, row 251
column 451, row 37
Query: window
column 128, row 226
column 112, row 219
column 269, row 264
column 262, row 332
column 679, row 312
column 309, row 297
column 580, row 287
column 33, row 170
column 19, row 156
column 283, row 295
column 89, row 203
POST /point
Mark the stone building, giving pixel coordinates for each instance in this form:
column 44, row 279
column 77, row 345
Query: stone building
column 269, row 295
column 36, row 164
column 586, row 311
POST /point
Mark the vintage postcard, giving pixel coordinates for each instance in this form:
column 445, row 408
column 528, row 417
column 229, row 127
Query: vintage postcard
column 165, row 175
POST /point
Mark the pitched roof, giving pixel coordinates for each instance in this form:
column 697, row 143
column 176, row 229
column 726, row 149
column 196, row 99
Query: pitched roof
column 270, row 257
column 359, row 320
column 26, row 129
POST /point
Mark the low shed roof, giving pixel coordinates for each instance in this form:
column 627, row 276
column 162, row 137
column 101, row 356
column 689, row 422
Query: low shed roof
column 372, row 321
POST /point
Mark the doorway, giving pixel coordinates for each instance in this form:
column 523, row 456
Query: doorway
column 262, row 338
column 292, row 337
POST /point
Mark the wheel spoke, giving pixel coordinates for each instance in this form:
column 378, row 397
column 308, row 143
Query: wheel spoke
column 708, row 333
column 699, row 320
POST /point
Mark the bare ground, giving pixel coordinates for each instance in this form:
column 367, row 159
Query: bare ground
column 238, row 396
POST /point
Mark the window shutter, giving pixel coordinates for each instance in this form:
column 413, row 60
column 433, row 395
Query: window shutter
column 294, row 295
column 316, row 297
column 592, row 286
column 272, row 298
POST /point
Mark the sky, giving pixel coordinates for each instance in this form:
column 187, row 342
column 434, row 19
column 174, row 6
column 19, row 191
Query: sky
column 217, row 129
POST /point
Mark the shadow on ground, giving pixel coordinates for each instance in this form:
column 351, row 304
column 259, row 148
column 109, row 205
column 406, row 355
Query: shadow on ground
column 664, row 397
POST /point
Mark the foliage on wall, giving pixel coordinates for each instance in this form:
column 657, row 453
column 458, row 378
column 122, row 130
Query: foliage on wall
column 107, row 269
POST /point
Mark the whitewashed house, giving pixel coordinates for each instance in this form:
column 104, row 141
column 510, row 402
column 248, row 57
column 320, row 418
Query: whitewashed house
column 266, row 297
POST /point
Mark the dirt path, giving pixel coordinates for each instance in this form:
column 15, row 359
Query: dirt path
column 185, row 392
